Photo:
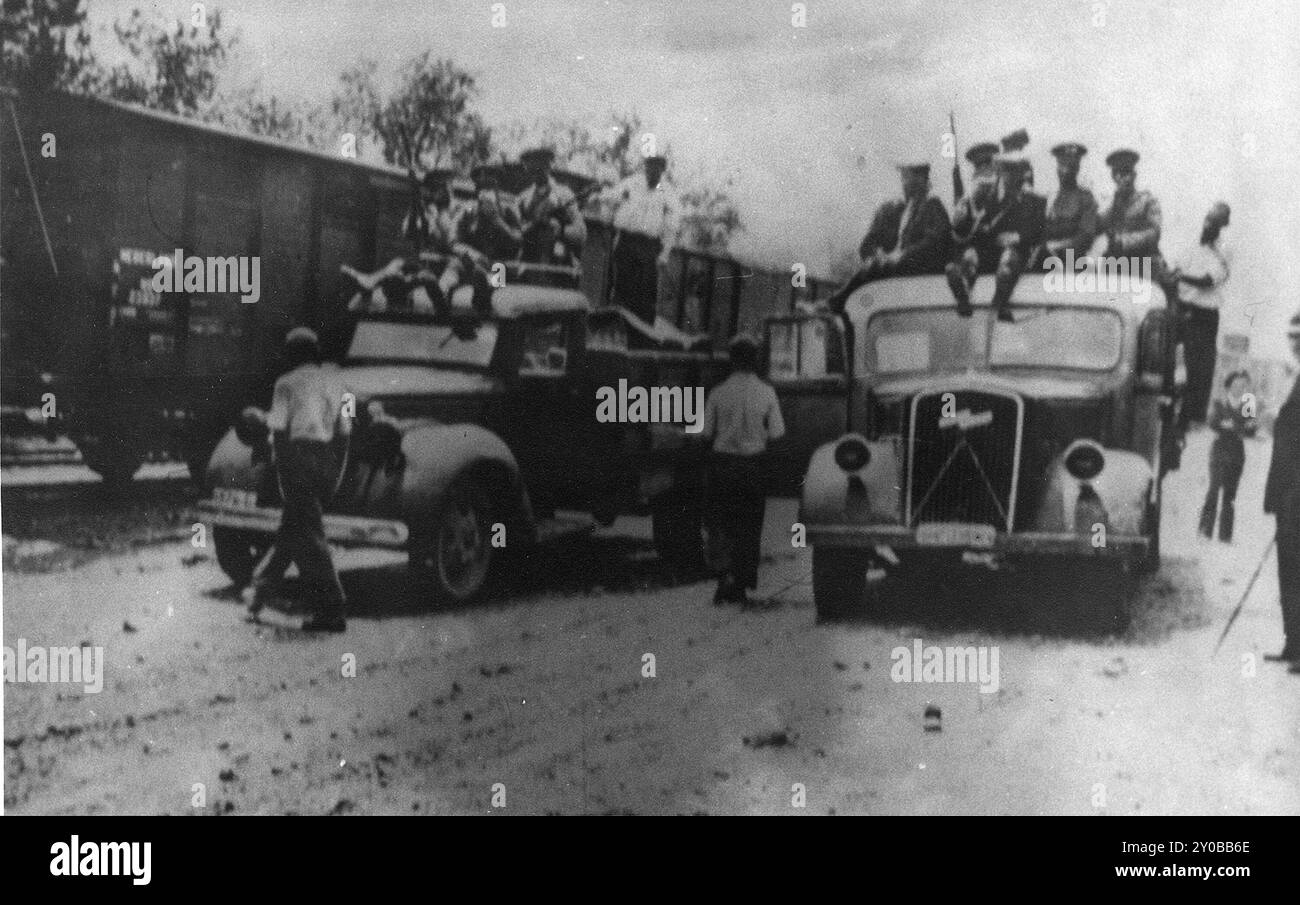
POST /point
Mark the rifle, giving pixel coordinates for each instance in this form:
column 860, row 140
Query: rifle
column 958, row 188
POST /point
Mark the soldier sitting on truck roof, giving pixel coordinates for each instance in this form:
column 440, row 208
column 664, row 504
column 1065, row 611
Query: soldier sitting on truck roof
column 553, row 229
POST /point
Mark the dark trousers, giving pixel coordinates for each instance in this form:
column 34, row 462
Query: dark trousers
column 1288, row 570
column 1227, row 458
column 737, row 498
column 635, row 283
column 308, row 473
column 1200, row 330
column 980, row 257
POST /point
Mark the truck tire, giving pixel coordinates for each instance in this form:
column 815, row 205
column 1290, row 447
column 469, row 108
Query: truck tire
column 840, row 587
column 451, row 557
column 677, row 520
column 238, row 552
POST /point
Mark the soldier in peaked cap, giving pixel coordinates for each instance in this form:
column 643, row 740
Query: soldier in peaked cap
column 310, row 432
column 1071, row 219
column 1131, row 223
column 1282, row 498
column 553, row 229
column 1000, row 241
column 908, row 236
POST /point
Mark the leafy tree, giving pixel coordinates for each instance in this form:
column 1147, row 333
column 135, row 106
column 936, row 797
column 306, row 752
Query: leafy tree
column 427, row 122
column 45, row 44
column 173, row 69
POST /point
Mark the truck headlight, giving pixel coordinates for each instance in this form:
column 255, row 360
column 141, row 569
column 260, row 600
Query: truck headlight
column 851, row 454
column 1084, row 460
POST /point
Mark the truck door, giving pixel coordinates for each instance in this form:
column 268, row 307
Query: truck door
column 807, row 363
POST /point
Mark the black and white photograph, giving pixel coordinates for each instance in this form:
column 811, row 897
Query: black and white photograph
column 599, row 407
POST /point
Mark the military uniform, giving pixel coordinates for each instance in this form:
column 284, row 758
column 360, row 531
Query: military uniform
column 1000, row 240
column 1282, row 499
column 1132, row 226
column 553, row 229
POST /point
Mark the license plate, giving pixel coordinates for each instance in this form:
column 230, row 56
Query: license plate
column 233, row 498
column 941, row 534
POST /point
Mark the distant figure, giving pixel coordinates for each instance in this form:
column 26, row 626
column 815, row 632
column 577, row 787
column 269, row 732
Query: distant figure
column 1282, row 499
column 1227, row 455
column 741, row 417
column 1200, row 274
column 909, row 236
column 646, row 217
column 553, row 229
column 308, row 426
column 998, row 239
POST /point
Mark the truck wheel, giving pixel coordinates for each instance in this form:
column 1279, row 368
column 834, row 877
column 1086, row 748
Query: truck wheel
column 451, row 557
column 238, row 552
column 677, row 522
column 840, row 583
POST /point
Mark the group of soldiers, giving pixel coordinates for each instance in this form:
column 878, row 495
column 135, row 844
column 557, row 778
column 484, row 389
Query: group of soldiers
column 464, row 227
column 1001, row 226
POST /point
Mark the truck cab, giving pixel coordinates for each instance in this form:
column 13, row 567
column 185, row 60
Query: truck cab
column 973, row 440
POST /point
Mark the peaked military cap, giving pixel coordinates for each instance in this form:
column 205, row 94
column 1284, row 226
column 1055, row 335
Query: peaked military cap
column 1122, row 159
column 1069, row 149
column 1015, row 141
column 982, row 154
column 543, row 154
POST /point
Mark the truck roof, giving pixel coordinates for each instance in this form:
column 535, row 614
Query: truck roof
column 933, row 292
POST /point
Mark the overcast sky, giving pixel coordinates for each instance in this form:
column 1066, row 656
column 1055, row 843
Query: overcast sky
column 809, row 121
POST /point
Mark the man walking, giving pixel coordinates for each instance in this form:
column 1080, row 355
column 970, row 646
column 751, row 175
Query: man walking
column 1282, row 499
column 908, row 236
column 646, row 215
column 308, row 426
column 1200, row 275
column 741, row 417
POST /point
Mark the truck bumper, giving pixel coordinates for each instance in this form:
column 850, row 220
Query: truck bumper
column 1019, row 543
column 346, row 530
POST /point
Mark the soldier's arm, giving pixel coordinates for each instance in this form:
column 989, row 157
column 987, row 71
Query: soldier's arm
column 876, row 238
column 935, row 232
column 1149, row 234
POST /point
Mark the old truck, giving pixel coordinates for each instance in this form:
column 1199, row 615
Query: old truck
column 471, row 441
column 96, row 191
column 973, row 441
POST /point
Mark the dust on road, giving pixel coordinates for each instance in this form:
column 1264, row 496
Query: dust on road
column 544, row 692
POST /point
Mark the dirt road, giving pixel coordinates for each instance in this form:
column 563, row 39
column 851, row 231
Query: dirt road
column 545, row 690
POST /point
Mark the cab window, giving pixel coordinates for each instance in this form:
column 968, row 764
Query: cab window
column 804, row 350
column 546, row 350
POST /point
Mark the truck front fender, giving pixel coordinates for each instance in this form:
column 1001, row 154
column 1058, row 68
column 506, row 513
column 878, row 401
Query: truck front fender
column 436, row 455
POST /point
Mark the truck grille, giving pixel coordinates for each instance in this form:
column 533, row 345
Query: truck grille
column 963, row 467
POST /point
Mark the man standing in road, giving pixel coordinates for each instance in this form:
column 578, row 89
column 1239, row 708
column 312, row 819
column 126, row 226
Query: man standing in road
column 1282, row 499
column 308, row 426
column 741, row 417
column 645, row 220
column 1200, row 274
column 908, row 236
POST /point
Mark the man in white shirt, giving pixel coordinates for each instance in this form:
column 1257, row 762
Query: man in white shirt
column 741, row 417
column 1200, row 275
column 646, row 218
column 308, row 426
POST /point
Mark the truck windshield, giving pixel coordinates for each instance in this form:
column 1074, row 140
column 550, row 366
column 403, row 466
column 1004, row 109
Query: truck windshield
column 430, row 344
column 932, row 340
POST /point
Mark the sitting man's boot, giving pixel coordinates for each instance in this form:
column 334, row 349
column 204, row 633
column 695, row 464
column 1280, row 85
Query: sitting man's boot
column 960, row 289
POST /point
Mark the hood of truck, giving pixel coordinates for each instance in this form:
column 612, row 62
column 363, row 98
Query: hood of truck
column 380, row 381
